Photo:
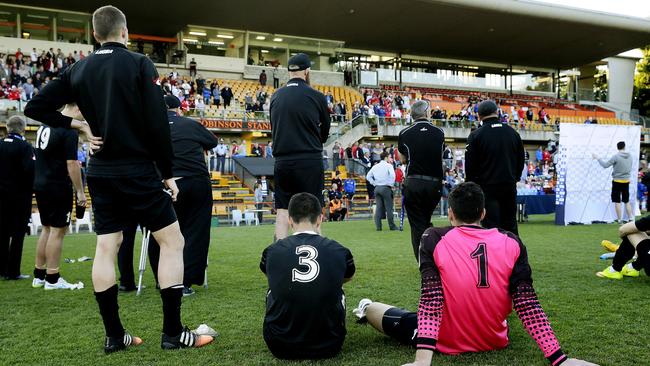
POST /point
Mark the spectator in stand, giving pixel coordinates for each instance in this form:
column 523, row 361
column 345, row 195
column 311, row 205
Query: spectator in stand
column 349, row 187
column 276, row 77
column 396, row 113
column 243, row 149
column 261, row 96
column 200, row 107
column 207, row 93
column 338, row 112
column 248, row 101
column 337, row 181
column 193, row 68
column 330, row 98
column 539, row 155
column 337, row 211
column 336, row 154
column 522, row 115
column 226, row 95
column 543, row 117
column 529, row 114
column 221, row 151
column 263, row 78
column 256, row 150
column 448, row 157
column 588, row 121
column 269, row 150
column 33, row 58
column 28, row 89
column 375, row 156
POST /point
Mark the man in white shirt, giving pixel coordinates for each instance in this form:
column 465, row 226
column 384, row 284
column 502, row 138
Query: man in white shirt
column 382, row 176
column 221, row 150
column 33, row 57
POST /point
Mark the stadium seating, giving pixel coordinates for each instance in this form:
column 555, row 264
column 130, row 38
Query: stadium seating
column 241, row 87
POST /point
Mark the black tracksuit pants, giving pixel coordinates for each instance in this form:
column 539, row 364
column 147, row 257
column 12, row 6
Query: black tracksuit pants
column 501, row 207
column 15, row 209
column 194, row 211
column 420, row 199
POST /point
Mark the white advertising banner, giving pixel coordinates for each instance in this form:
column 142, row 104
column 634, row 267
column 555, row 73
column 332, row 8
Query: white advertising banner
column 583, row 192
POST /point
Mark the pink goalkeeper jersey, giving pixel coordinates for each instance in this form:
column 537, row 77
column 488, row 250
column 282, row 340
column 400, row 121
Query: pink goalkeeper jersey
column 475, row 266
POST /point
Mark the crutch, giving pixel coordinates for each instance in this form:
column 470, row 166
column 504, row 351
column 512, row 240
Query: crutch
column 401, row 215
column 143, row 258
column 205, row 276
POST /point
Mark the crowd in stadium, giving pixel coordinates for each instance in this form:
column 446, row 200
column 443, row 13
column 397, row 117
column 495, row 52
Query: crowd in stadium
column 23, row 74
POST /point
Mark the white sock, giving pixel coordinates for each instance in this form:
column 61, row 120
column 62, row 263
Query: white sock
column 629, row 266
column 612, row 270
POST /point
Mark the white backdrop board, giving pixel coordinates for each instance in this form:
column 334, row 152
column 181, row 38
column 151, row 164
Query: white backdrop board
column 583, row 192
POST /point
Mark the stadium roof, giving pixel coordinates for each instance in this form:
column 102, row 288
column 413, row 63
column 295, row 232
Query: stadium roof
column 517, row 32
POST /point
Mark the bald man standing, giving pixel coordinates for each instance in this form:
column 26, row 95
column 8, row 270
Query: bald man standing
column 420, row 147
column 494, row 159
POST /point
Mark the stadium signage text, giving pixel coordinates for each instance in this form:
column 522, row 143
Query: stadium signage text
column 236, row 125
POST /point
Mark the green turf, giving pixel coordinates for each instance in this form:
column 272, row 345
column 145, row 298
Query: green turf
column 599, row 320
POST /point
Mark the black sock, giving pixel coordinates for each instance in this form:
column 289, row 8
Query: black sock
column 108, row 308
column 643, row 254
column 624, row 253
column 52, row 278
column 39, row 273
column 171, row 299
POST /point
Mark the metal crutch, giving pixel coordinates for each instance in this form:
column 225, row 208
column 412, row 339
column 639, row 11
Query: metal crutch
column 401, row 215
column 143, row 258
column 205, row 276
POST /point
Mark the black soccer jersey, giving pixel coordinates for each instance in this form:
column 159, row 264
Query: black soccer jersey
column 300, row 123
column 422, row 145
column 305, row 304
column 53, row 148
column 189, row 140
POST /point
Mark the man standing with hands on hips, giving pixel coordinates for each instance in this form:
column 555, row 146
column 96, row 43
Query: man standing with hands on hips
column 382, row 177
column 420, row 147
column 300, row 124
column 494, row 159
column 125, row 176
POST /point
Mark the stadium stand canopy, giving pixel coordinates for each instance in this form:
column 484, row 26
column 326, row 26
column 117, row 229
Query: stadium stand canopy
column 515, row 32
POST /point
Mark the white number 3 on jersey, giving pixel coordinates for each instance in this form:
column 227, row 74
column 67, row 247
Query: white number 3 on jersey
column 309, row 261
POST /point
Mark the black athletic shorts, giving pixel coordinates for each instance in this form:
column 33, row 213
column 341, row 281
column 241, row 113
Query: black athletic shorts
column 55, row 206
column 297, row 176
column 284, row 351
column 118, row 202
column 620, row 192
column 401, row 325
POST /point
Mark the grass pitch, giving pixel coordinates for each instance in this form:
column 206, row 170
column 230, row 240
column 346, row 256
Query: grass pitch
column 599, row 320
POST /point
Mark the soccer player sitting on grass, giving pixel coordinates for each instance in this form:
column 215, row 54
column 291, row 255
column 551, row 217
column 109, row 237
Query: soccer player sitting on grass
column 634, row 240
column 471, row 278
column 305, row 304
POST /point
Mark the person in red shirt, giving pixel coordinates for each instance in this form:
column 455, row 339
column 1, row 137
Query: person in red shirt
column 471, row 279
column 546, row 156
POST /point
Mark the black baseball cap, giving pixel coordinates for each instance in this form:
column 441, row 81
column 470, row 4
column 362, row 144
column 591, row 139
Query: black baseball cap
column 299, row 62
column 487, row 108
column 172, row 102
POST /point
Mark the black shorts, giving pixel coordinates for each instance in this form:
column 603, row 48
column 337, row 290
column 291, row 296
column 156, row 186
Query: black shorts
column 284, row 351
column 297, row 176
column 401, row 325
column 118, row 202
column 620, row 192
column 55, row 206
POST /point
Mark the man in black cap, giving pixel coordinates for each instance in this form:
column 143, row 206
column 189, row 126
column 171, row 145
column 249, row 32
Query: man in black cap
column 16, row 180
column 420, row 147
column 300, row 124
column 494, row 159
column 118, row 92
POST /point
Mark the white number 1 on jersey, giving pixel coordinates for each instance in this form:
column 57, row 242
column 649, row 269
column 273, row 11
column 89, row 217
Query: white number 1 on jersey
column 309, row 261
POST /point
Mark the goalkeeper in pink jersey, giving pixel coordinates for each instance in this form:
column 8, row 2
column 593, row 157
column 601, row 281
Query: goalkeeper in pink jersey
column 471, row 279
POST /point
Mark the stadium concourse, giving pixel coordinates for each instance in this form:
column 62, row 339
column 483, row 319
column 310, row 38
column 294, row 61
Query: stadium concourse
column 560, row 76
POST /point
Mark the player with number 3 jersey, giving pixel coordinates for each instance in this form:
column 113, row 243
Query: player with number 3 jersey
column 472, row 278
column 305, row 304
